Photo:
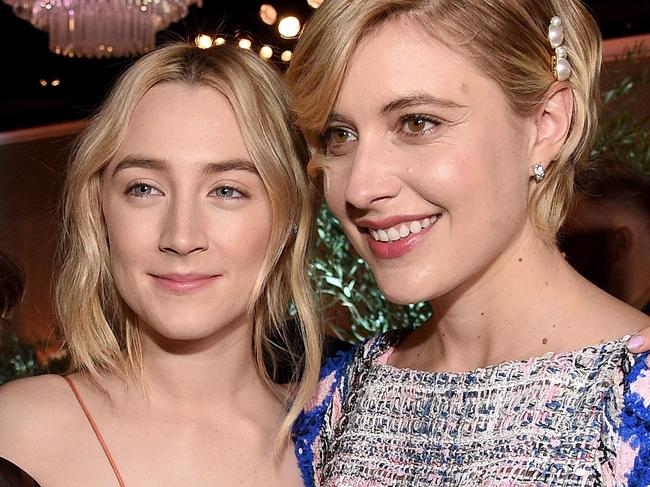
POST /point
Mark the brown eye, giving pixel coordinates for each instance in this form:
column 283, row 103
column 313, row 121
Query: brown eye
column 418, row 124
column 340, row 136
column 337, row 139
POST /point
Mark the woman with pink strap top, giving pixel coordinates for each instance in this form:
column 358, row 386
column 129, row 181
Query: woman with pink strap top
column 187, row 222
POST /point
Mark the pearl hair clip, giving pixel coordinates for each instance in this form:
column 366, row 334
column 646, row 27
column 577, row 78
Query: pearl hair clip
column 561, row 67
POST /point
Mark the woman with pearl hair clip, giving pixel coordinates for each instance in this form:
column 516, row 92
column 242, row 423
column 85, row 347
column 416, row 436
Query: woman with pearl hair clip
column 445, row 136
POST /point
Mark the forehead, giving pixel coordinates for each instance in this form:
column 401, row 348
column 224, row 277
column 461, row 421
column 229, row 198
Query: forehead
column 400, row 56
column 178, row 121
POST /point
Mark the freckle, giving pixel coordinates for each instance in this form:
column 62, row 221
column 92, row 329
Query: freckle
column 553, row 326
column 544, row 341
column 546, row 283
column 478, row 337
column 520, row 259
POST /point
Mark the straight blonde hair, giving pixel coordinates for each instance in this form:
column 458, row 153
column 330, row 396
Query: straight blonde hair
column 100, row 331
column 506, row 39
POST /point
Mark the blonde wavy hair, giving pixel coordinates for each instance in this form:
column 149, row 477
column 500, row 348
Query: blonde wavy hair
column 505, row 39
column 99, row 330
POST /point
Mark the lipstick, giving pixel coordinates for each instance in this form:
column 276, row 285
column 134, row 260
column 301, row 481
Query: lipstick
column 183, row 283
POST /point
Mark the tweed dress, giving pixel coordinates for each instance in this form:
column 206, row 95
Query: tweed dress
column 579, row 418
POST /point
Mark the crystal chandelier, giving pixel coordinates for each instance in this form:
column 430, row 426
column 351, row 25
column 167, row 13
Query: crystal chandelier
column 101, row 28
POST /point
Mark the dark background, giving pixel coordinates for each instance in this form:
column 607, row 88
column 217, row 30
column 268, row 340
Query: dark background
column 26, row 59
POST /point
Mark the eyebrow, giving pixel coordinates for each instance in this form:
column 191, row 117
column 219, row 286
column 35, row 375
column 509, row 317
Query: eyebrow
column 407, row 101
column 142, row 163
column 212, row 168
column 337, row 117
column 417, row 99
column 163, row 165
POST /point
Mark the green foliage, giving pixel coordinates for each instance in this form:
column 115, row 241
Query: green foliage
column 354, row 306
column 16, row 359
column 19, row 359
column 625, row 137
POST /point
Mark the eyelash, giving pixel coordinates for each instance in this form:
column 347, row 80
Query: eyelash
column 418, row 116
column 326, row 143
column 231, row 189
column 131, row 189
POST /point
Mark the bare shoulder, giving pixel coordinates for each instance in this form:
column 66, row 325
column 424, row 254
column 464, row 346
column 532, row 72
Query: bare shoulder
column 616, row 318
column 33, row 414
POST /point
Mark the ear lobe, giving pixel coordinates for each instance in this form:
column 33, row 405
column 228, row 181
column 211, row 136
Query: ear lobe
column 553, row 121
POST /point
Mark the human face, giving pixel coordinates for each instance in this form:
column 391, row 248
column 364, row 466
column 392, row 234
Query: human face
column 424, row 151
column 187, row 215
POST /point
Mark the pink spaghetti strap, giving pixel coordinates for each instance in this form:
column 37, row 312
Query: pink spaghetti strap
column 93, row 425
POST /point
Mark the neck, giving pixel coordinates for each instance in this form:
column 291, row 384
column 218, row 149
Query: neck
column 214, row 373
column 518, row 307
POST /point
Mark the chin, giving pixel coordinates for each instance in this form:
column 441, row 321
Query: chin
column 182, row 340
column 182, row 328
column 405, row 294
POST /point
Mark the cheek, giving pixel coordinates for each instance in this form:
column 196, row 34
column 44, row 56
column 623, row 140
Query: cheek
column 487, row 181
column 334, row 184
column 246, row 238
column 130, row 235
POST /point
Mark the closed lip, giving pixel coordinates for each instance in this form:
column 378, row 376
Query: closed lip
column 184, row 278
column 184, row 283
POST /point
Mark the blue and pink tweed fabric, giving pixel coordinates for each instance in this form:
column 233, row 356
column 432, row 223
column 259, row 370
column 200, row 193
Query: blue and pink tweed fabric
column 570, row 419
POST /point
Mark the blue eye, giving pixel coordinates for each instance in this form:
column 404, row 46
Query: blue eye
column 228, row 193
column 142, row 190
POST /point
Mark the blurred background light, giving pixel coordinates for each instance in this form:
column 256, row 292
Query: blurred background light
column 289, row 27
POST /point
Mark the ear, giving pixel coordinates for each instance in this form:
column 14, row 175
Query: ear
column 552, row 123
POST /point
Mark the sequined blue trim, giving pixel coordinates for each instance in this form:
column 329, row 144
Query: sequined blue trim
column 635, row 426
column 308, row 425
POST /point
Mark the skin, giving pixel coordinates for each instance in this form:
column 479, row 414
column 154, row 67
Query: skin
column 433, row 137
column 178, row 205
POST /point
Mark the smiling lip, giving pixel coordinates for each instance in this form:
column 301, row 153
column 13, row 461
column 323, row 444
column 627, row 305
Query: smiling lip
column 390, row 221
column 183, row 283
column 398, row 248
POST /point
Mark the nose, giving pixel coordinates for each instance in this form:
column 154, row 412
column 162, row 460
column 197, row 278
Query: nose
column 373, row 175
column 184, row 229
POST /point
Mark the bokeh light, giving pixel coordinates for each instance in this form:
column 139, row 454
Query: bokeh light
column 289, row 27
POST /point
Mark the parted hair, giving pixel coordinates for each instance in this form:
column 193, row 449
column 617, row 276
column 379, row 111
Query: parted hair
column 506, row 39
column 100, row 331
